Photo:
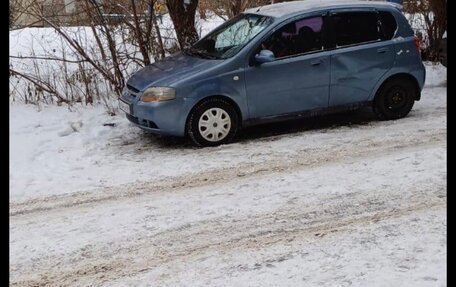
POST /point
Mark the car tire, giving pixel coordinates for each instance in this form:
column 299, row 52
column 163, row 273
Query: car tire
column 212, row 122
column 394, row 99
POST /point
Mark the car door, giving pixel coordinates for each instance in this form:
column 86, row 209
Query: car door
column 298, row 78
column 360, row 58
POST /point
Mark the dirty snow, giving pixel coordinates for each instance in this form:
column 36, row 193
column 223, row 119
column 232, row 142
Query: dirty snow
column 377, row 219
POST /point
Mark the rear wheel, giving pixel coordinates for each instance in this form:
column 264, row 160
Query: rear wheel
column 212, row 122
column 395, row 99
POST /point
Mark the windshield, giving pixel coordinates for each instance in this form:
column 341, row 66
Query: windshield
column 225, row 41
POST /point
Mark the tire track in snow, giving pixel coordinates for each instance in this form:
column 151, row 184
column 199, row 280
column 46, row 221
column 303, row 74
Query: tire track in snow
column 308, row 158
column 329, row 216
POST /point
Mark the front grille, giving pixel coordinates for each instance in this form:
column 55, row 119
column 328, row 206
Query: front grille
column 130, row 97
column 132, row 119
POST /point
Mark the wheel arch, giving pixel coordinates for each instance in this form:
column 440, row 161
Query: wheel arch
column 405, row 76
column 222, row 97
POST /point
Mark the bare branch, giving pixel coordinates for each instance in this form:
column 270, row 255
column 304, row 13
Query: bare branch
column 48, row 59
column 39, row 83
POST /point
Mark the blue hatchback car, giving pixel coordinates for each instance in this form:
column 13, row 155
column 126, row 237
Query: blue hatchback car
column 281, row 61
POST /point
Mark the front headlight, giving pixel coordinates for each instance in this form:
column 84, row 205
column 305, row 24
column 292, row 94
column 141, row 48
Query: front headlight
column 158, row 94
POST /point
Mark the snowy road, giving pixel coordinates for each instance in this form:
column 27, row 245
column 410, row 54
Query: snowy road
column 308, row 225
column 335, row 201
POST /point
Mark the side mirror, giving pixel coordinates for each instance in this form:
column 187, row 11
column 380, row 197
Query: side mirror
column 264, row 56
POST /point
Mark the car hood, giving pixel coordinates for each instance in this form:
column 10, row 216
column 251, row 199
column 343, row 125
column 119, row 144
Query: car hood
column 169, row 71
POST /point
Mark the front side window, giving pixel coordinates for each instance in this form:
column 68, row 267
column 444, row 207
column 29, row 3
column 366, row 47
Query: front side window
column 230, row 38
column 298, row 37
column 353, row 28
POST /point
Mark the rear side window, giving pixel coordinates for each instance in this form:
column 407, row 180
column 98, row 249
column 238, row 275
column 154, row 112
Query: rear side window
column 389, row 24
column 353, row 28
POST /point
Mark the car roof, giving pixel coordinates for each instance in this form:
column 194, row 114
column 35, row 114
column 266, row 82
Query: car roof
column 283, row 9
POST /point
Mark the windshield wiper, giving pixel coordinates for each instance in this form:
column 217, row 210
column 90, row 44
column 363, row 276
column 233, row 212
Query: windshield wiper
column 200, row 53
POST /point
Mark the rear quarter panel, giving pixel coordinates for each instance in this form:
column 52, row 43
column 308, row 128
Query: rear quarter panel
column 407, row 57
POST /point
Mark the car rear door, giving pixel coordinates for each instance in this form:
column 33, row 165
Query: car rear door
column 361, row 56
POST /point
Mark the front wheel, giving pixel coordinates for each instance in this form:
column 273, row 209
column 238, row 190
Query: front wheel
column 212, row 122
column 394, row 99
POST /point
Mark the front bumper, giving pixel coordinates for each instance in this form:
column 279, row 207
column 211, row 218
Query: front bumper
column 168, row 117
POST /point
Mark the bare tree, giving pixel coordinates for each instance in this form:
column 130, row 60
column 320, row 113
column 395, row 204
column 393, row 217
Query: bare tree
column 11, row 15
column 434, row 13
column 21, row 10
column 108, row 43
column 235, row 7
column 182, row 14
column 227, row 9
column 436, row 26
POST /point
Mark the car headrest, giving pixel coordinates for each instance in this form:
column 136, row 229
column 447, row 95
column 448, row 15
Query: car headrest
column 289, row 28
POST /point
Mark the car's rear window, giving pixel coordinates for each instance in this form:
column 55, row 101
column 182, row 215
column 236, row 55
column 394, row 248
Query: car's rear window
column 389, row 24
column 353, row 28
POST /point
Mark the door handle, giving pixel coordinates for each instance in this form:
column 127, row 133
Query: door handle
column 382, row 50
column 316, row 62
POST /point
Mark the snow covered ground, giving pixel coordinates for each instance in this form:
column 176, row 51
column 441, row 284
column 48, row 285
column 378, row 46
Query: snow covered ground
column 341, row 200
